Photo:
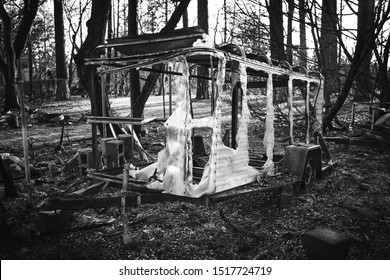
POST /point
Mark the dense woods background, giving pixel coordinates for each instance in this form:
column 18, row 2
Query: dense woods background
column 348, row 41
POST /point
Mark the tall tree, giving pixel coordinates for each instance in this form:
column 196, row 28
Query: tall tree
column 384, row 72
column 202, row 90
column 302, row 34
column 61, row 72
column 96, row 34
column 14, row 44
column 364, row 77
column 289, row 50
column 328, row 50
column 97, row 25
column 275, row 11
column 365, row 42
column 135, row 88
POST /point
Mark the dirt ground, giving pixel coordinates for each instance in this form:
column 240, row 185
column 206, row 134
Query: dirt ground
column 353, row 197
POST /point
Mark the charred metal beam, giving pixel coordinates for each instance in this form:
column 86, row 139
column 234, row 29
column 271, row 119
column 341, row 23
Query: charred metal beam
column 276, row 83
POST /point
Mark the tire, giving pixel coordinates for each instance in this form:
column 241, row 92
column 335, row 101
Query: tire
column 309, row 175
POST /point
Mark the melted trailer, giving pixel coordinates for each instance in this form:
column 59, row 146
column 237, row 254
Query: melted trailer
column 184, row 171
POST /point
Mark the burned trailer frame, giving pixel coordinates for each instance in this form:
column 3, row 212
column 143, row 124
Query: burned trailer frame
column 236, row 61
column 229, row 165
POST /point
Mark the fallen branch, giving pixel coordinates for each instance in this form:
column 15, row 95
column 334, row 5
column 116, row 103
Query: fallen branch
column 120, row 231
column 72, row 185
column 239, row 228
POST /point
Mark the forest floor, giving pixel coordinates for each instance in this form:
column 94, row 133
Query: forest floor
column 354, row 198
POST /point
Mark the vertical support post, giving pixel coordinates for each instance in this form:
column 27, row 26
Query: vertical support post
column 319, row 106
column 163, row 90
column 24, row 133
column 131, row 99
column 94, row 147
column 125, row 216
column 94, row 126
column 102, row 77
column 212, row 85
column 269, row 135
column 307, row 113
column 353, row 116
column 170, row 91
column 290, row 108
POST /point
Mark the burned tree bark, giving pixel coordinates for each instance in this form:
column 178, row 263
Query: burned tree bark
column 8, row 68
column 61, row 73
column 328, row 51
column 134, row 74
column 364, row 44
column 384, row 76
column 202, row 91
column 302, row 34
column 275, row 11
column 363, row 76
column 289, row 51
column 14, row 46
column 88, row 74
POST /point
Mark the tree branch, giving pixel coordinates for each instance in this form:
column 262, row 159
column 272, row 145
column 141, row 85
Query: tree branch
column 176, row 15
column 29, row 12
column 151, row 80
column 7, row 34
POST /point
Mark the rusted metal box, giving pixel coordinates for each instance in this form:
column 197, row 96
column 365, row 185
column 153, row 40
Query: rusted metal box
column 304, row 161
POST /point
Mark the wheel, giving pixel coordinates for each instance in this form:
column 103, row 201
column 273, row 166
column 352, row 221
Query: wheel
column 309, row 175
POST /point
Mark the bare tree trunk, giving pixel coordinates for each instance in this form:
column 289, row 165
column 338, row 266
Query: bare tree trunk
column 289, row 51
column 61, row 73
column 275, row 11
column 302, row 34
column 109, row 53
column 30, row 69
column 14, row 47
column 328, row 50
column 9, row 67
column 364, row 45
column 383, row 75
column 202, row 90
column 363, row 77
column 135, row 87
column 87, row 74
column 185, row 19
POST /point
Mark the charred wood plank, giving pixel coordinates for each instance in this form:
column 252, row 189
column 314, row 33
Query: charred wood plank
column 69, row 203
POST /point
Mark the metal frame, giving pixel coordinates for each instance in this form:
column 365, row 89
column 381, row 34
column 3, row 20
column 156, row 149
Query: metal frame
column 133, row 191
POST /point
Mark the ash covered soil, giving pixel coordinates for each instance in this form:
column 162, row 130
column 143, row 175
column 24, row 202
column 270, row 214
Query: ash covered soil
column 353, row 197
